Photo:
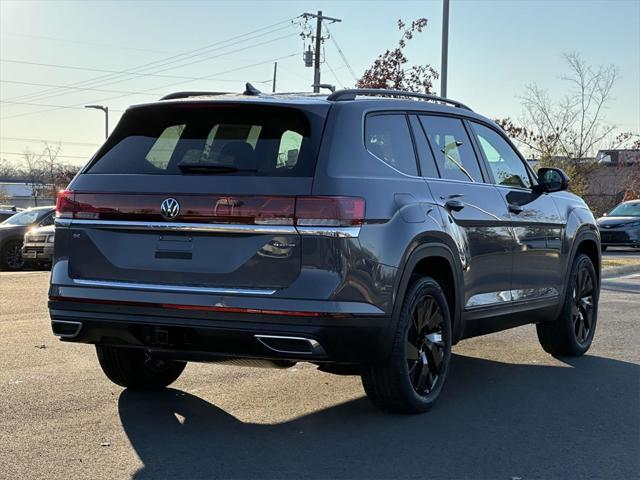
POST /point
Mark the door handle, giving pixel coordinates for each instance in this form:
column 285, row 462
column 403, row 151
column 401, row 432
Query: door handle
column 454, row 204
column 513, row 208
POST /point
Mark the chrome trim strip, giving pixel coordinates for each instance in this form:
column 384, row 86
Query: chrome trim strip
column 181, row 227
column 172, row 288
column 316, row 348
column 505, row 297
column 337, row 232
column 68, row 335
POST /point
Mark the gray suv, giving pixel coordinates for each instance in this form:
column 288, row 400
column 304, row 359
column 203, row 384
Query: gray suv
column 365, row 232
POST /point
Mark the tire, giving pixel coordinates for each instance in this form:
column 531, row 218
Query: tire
column 571, row 334
column 603, row 248
column 11, row 255
column 397, row 385
column 135, row 369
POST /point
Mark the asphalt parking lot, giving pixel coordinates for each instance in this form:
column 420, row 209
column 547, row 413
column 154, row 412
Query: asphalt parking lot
column 509, row 410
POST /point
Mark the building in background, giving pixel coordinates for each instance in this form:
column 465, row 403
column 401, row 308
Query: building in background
column 25, row 195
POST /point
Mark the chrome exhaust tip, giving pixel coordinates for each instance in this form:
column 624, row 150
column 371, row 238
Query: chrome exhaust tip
column 291, row 345
column 66, row 328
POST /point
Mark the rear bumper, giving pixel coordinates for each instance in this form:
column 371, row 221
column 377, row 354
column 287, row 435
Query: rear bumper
column 207, row 336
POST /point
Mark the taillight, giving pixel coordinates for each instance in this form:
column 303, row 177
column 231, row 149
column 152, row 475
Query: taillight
column 317, row 211
column 329, row 211
column 65, row 206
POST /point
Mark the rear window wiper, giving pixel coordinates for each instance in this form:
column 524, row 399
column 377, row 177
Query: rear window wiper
column 212, row 168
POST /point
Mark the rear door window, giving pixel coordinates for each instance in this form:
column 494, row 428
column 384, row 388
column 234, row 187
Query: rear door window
column 452, row 148
column 221, row 139
column 387, row 137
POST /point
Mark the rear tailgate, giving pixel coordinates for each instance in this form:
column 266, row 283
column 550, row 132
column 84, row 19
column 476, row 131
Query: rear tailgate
column 194, row 197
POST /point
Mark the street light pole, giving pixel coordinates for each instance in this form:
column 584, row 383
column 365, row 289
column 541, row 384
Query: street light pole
column 106, row 117
column 445, row 48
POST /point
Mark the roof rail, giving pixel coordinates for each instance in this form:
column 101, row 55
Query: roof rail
column 351, row 94
column 176, row 95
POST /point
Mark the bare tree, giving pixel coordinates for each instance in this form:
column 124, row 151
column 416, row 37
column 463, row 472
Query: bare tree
column 574, row 126
column 7, row 169
column 388, row 71
column 51, row 167
column 33, row 172
column 567, row 133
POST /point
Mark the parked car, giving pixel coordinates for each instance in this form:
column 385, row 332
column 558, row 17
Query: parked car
column 7, row 212
column 621, row 226
column 37, row 248
column 365, row 232
column 12, row 233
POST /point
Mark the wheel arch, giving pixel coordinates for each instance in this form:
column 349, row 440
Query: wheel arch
column 437, row 260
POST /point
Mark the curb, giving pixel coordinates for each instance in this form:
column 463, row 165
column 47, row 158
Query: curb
column 611, row 272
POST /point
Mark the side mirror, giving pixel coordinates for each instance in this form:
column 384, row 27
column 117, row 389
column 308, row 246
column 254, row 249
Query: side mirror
column 552, row 180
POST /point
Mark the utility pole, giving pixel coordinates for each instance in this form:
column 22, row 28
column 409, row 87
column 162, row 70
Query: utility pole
column 318, row 43
column 275, row 72
column 445, row 48
column 106, row 117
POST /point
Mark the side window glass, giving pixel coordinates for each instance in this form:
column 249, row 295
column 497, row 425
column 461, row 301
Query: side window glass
column 506, row 165
column 48, row 220
column 452, row 148
column 427, row 162
column 388, row 138
column 160, row 153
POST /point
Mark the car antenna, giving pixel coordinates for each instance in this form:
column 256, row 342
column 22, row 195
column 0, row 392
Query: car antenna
column 251, row 90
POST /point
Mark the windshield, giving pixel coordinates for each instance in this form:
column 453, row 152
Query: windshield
column 212, row 140
column 626, row 210
column 28, row 217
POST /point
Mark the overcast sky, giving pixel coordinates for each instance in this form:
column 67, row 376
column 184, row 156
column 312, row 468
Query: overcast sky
column 496, row 48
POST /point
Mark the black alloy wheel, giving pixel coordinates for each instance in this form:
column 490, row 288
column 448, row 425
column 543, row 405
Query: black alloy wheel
column 12, row 256
column 582, row 308
column 425, row 345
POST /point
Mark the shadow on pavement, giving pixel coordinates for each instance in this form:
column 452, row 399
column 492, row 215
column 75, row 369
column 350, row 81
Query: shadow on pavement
column 494, row 420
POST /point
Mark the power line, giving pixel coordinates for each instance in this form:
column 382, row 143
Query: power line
column 344, row 58
column 80, row 107
column 40, row 97
column 36, row 140
column 333, row 73
column 86, row 157
column 67, row 40
column 170, row 59
column 15, row 82
column 206, row 77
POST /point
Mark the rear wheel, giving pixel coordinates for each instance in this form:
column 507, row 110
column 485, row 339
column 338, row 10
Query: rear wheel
column 136, row 369
column 11, row 255
column 412, row 379
column 572, row 333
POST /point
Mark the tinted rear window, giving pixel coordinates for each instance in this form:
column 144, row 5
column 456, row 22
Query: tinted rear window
column 225, row 138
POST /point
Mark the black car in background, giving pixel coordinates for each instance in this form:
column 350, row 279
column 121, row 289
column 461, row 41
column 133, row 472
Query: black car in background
column 12, row 233
column 7, row 212
column 621, row 226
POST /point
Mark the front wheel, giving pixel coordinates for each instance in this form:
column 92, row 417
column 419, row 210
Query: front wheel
column 11, row 255
column 136, row 369
column 411, row 380
column 572, row 332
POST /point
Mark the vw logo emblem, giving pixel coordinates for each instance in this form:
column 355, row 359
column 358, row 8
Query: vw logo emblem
column 169, row 208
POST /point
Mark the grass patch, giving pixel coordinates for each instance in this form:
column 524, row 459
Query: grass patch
column 619, row 262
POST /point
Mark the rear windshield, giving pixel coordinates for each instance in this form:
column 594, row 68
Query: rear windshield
column 225, row 139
